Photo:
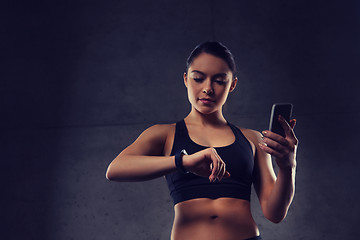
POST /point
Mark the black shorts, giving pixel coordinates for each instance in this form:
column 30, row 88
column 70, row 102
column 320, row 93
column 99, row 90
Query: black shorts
column 254, row 238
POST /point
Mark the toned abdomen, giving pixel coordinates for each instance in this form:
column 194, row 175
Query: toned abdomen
column 208, row 219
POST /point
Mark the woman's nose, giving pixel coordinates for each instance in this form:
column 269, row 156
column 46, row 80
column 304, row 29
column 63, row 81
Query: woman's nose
column 207, row 88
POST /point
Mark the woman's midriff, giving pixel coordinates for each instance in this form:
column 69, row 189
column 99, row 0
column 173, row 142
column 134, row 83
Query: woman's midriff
column 213, row 219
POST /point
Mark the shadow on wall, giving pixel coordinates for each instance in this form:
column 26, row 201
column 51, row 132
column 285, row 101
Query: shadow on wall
column 42, row 48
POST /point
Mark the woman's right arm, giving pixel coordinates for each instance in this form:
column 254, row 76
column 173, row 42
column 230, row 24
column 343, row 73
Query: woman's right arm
column 144, row 159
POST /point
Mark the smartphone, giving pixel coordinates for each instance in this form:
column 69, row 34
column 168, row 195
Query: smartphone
column 283, row 109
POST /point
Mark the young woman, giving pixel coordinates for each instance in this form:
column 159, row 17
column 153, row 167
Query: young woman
column 210, row 164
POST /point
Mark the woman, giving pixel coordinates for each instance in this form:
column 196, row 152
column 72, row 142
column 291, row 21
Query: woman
column 210, row 164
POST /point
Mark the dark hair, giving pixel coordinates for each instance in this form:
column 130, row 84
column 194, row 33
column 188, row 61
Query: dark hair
column 214, row 48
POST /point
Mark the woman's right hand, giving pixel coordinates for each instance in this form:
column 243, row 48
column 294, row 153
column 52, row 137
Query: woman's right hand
column 206, row 163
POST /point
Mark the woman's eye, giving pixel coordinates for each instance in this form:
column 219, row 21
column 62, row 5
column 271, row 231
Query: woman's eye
column 198, row 79
column 220, row 82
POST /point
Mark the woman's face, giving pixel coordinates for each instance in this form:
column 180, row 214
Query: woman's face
column 208, row 81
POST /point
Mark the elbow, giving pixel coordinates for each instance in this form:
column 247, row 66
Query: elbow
column 276, row 220
column 116, row 170
column 276, row 217
column 116, row 173
column 109, row 176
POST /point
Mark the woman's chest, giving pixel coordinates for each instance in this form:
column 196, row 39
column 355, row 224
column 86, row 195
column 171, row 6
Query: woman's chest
column 211, row 137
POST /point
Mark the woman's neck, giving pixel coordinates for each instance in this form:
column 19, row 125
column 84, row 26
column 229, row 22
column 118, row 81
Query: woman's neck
column 214, row 119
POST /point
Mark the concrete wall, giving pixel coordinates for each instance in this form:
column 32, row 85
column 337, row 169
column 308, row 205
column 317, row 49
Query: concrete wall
column 81, row 80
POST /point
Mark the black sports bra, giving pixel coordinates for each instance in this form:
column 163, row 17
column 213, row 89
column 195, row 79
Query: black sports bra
column 239, row 161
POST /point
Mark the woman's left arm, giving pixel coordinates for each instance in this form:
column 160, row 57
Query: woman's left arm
column 276, row 192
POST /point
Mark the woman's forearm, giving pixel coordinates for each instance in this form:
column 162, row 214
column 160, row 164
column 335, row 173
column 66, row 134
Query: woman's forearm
column 139, row 168
column 281, row 195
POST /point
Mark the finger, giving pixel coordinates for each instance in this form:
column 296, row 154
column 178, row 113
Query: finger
column 270, row 150
column 215, row 161
column 292, row 123
column 290, row 134
column 221, row 166
column 221, row 172
column 275, row 145
column 274, row 136
column 285, row 125
column 287, row 128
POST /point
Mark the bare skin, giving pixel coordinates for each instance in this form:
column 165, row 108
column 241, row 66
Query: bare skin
column 223, row 218
column 209, row 81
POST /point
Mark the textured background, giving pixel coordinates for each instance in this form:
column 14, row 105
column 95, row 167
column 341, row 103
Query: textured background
column 80, row 80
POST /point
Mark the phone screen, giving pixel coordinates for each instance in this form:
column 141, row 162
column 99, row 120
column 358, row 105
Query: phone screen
column 283, row 109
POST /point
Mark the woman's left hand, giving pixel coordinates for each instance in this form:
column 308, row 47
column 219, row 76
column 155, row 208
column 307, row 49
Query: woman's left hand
column 282, row 148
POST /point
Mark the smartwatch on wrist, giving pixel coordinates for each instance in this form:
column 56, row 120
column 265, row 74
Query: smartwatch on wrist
column 179, row 161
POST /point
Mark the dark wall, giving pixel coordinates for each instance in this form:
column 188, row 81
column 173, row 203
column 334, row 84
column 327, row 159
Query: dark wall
column 81, row 80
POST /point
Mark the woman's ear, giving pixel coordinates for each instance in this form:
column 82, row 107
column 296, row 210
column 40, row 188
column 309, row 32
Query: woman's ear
column 185, row 79
column 233, row 84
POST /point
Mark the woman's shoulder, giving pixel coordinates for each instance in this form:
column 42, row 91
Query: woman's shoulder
column 166, row 133
column 253, row 136
column 160, row 130
column 250, row 133
column 161, row 127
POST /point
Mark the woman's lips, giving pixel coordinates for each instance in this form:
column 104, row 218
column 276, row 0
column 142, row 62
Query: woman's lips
column 206, row 101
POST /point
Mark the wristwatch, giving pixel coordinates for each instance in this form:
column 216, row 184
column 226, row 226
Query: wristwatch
column 179, row 162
